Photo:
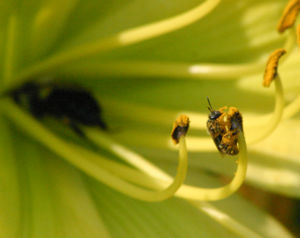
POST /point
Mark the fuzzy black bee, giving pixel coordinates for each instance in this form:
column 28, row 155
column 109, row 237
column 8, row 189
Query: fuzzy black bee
column 224, row 125
column 72, row 105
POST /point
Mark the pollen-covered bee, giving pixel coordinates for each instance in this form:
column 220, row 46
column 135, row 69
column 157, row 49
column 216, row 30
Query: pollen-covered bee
column 70, row 104
column 224, row 126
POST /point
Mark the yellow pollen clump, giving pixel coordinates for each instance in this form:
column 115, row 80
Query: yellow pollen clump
column 289, row 15
column 180, row 128
column 226, row 127
column 225, row 118
column 271, row 68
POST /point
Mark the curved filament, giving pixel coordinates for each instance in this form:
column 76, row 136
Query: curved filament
column 121, row 39
column 161, row 178
column 81, row 158
column 271, row 125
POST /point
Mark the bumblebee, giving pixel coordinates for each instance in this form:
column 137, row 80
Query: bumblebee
column 224, row 126
column 70, row 104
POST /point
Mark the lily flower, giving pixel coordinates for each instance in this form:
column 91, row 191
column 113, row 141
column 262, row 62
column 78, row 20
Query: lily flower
column 147, row 70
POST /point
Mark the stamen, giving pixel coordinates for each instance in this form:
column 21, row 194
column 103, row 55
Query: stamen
column 82, row 158
column 141, row 178
column 298, row 35
column 156, row 140
column 141, row 113
column 43, row 30
column 145, row 180
column 191, row 192
column 153, row 140
column 210, row 194
column 200, row 144
column 131, row 157
column 233, row 224
column 289, row 15
column 185, row 191
column 137, row 112
column 121, row 39
column 176, row 70
column 289, row 45
column 294, row 107
column 77, row 158
column 132, row 175
column 103, row 141
column 271, row 74
column 180, row 128
column 168, row 25
column 271, row 68
column 10, row 50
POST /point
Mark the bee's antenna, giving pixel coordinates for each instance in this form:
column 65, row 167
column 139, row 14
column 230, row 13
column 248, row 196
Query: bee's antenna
column 210, row 107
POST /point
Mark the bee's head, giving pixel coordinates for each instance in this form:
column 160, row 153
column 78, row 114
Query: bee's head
column 213, row 113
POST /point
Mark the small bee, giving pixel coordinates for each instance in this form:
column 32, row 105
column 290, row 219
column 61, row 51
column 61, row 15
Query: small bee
column 72, row 105
column 224, row 125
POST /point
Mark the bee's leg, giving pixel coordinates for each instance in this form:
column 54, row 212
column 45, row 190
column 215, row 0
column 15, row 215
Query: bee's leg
column 76, row 129
column 16, row 97
column 102, row 125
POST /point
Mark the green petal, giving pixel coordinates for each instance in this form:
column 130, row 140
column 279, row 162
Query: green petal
column 77, row 212
column 277, row 160
column 44, row 31
column 9, row 184
column 254, row 218
column 249, row 218
column 38, row 210
column 126, row 217
column 55, row 202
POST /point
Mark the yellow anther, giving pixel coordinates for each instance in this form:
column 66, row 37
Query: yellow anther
column 289, row 15
column 271, row 68
column 298, row 35
column 180, row 128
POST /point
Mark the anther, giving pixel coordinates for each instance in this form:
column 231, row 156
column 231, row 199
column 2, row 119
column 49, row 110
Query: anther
column 298, row 35
column 289, row 15
column 271, row 67
column 180, row 128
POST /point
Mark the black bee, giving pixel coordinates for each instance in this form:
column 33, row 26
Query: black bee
column 72, row 105
column 224, row 125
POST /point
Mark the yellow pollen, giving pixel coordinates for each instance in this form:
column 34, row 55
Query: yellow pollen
column 271, row 68
column 180, row 128
column 226, row 127
column 298, row 35
column 289, row 15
